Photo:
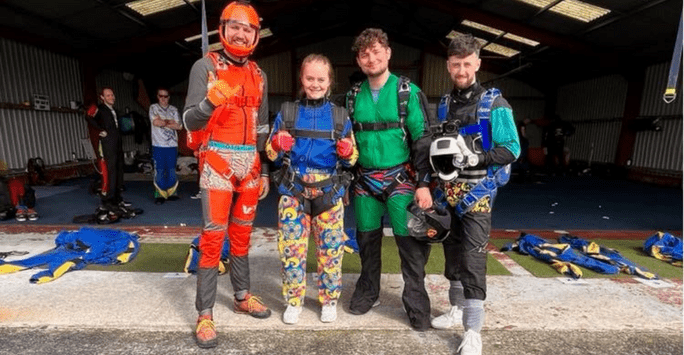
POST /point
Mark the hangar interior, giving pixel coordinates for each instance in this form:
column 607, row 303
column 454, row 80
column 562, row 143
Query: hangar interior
column 601, row 65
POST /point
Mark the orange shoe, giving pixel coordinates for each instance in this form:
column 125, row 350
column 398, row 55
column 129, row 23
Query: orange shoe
column 205, row 333
column 253, row 306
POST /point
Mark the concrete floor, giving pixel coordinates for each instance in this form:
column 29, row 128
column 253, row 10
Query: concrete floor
column 154, row 313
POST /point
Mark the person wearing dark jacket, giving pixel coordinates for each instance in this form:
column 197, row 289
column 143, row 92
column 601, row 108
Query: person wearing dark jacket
column 479, row 122
column 105, row 119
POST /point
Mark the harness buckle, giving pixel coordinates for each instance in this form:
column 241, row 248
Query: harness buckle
column 289, row 175
column 401, row 178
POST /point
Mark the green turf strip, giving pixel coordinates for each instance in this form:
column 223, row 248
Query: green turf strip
column 152, row 257
column 155, row 257
column 630, row 249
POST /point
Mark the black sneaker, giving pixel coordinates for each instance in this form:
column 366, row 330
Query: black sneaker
column 105, row 216
column 32, row 214
column 126, row 212
column 159, row 201
column 21, row 214
column 173, row 198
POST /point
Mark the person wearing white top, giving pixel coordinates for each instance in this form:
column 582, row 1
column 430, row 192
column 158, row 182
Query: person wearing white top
column 165, row 124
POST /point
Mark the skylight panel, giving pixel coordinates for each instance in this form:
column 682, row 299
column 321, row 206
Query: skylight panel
column 148, row 7
column 265, row 32
column 482, row 27
column 215, row 46
column 524, row 40
column 576, row 9
column 499, row 49
column 210, row 33
column 497, row 32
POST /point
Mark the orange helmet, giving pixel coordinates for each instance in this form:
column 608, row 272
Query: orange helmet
column 245, row 14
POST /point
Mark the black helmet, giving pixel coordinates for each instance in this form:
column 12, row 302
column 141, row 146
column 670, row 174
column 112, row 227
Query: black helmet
column 432, row 225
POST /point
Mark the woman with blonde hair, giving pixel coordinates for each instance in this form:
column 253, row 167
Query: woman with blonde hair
column 311, row 143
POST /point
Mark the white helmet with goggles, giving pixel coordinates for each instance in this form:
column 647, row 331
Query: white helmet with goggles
column 449, row 155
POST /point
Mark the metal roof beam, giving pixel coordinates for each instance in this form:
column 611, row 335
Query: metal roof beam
column 629, row 13
column 466, row 12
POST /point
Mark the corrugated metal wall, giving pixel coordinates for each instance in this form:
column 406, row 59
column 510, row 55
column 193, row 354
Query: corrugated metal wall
column 597, row 99
column 595, row 141
column 660, row 150
column 436, row 80
column 125, row 92
column 53, row 136
column 278, row 70
column 595, row 107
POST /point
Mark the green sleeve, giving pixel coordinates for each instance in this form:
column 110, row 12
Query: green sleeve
column 415, row 120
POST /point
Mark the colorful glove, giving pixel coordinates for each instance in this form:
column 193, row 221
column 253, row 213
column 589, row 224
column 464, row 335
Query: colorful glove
column 92, row 110
column 345, row 148
column 282, row 141
column 219, row 92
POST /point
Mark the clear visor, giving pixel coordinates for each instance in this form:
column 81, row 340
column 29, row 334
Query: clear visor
column 241, row 22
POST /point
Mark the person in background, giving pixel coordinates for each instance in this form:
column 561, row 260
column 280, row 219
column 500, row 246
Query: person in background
column 522, row 165
column 554, row 140
column 311, row 142
column 165, row 125
column 105, row 119
column 227, row 106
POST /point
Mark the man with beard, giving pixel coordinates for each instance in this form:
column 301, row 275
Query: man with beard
column 481, row 141
column 227, row 115
column 391, row 127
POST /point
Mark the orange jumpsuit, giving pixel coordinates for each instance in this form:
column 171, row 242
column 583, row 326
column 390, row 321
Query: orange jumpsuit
column 230, row 169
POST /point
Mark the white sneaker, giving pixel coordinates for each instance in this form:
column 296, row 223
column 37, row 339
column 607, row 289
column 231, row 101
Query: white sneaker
column 291, row 315
column 449, row 319
column 328, row 313
column 471, row 344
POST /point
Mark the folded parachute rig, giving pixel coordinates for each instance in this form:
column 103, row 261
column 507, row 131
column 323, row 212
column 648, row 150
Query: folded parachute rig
column 192, row 258
column 607, row 255
column 75, row 250
column 666, row 247
column 571, row 252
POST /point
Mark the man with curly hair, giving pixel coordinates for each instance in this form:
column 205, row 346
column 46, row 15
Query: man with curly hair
column 391, row 127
